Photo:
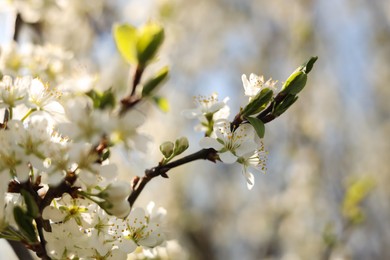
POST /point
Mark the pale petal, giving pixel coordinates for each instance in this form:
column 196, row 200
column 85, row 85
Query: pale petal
column 250, row 179
column 208, row 142
column 247, row 130
column 53, row 213
column 216, row 106
column 246, row 147
column 227, row 157
column 127, row 245
column 245, row 82
column 149, row 241
column 23, row 172
column 191, row 113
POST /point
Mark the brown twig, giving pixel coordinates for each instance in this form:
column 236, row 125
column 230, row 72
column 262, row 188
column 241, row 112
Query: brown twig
column 131, row 100
column 161, row 170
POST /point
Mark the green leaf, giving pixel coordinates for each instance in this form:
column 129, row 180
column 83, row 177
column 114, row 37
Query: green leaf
column 258, row 103
column 107, row 99
column 150, row 38
column 126, row 37
column 32, row 207
column 286, row 103
column 24, row 222
column 258, row 125
column 102, row 100
column 95, row 96
column 297, row 80
column 309, row 64
column 154, row 82
column 295, row 83
column 106, row 154
column 162, row 103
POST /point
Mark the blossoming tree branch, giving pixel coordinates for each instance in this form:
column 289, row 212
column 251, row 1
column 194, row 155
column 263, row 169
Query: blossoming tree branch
column 59, row 192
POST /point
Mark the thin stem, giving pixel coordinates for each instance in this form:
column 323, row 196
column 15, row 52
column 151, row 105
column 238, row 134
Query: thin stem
column 137, row 78
column 29, row 112
column 205, row 154
column 11, row 113
column 132, row 99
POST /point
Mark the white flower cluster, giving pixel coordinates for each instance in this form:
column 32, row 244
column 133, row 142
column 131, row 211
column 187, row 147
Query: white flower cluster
column 241, row 145
column 49, row 62
column 46, row 138
column 82, row 229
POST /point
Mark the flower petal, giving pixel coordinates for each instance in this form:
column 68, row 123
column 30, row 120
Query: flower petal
column 246, row 147
column 208, row 142
column 227, row 157
column 250, row 179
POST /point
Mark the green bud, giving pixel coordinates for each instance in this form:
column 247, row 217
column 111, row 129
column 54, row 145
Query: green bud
column 150, row 38
column 181, row 145
column 167, row 148
column 154, row 82
column 258, row 103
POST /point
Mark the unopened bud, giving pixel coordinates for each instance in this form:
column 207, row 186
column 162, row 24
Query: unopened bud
column 116, row 191
column 181, row 145
column 167, row 148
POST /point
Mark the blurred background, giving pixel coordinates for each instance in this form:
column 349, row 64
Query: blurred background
column 325, row 194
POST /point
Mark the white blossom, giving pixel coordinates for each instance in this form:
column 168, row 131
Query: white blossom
column 231, row 145
column 45, row 99
column 205, row 106
column 13, row 91
column 208, row 110
column 256, row 83
column 85, row 124
column 124, row 129
column 253, row 162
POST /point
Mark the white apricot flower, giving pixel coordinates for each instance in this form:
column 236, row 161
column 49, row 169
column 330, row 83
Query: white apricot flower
column 253, row 162
column 208, row 111
column 85, row 124
column 43, row 98
column 116, row 191
column 13, row 91
column 140, row 229
column 205, row 106
column 256, row 83
column 231, row 145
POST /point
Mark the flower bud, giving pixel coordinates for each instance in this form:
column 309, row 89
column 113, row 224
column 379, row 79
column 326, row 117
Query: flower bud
column 116, row 191
column 181, row 145
column 166, row 149
column 120, row 209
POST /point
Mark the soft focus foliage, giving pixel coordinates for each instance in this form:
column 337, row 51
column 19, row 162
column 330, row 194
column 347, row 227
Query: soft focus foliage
column 304, row 207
